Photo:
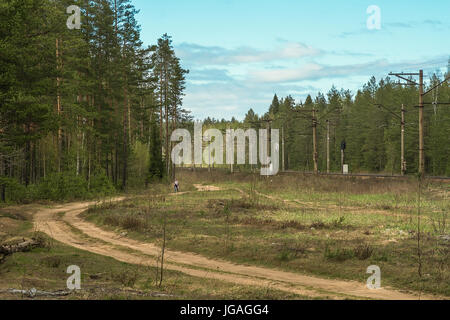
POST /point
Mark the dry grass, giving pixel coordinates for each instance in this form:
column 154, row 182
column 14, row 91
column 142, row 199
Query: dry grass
column 336, row 229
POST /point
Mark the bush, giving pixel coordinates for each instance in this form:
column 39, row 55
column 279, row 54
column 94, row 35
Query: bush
column 131, row 222
column 62, row 186
column 338, row 223
column 15, row 192
column 363, row 252
column 126, row 278
column 338, row 254
column 101, row 185
column 58, row 186
column 69, row 186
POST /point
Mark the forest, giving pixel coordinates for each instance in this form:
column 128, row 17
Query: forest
column 90, row 112
column 79, row 107
column 369, row 122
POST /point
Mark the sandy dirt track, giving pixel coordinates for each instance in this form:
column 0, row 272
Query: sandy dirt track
column 107, row 243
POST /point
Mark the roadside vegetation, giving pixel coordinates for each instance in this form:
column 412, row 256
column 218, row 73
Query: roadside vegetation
column 330, row 227
column 44, row 268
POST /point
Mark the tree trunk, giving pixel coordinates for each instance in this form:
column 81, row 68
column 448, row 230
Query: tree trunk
column 5, row 173
column 125, row 140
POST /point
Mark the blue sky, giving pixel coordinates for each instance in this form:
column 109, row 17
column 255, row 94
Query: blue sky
column 241, row 52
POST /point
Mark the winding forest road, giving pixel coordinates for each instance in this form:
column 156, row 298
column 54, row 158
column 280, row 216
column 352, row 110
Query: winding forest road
column 66, row 229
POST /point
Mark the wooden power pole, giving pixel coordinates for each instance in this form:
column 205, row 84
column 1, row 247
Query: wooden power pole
column 232, row 162
column 328, row 146
column 421, row 106
column 282, row 150
column 403, row 164
column 315, row 154
column 402, row 136
column 421, row 142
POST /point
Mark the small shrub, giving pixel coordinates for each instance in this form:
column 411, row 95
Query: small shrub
column 126, row 278
column 131, row 222
column 318, row 224
column 42, row 240
column 101, row 185
column 62, row 186
column 381, row 256
column 291, row 224
column 439, row 223
column 363, row 252
column 15, row 191
column 112, row 220
column 384, row 207
column 338, row 223
column 284, row 255
column 339, row 254
column 52, row 262
column 290, row 252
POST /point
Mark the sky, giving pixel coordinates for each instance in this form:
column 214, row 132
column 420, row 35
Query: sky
column 241, row 52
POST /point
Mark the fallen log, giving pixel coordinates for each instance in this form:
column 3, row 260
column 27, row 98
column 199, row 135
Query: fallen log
column 24, row 246
column 32, row 293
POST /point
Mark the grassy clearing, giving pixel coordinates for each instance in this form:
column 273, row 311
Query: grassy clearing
column 102, row 277
column 335, row 227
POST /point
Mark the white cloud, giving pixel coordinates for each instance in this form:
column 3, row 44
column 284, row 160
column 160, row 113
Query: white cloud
column 286, row 74
column 228, row 82
column 194, row 54
column 315, row 71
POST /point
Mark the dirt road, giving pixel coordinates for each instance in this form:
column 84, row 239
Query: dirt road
column 107, row 243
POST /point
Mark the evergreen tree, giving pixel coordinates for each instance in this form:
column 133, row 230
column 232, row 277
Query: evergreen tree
column 156, row 164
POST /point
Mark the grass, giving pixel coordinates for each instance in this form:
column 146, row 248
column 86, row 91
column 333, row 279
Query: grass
column 103, row 278
column 332, row 227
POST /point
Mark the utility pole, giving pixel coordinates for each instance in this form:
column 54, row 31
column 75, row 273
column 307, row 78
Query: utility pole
column 209, row 155
column 315, row 154
column 328, row 146
column 403, row 164
column 58, row 103
column 207, row 141
column 421, row 142
column 314, row 127
column 269, row 140
column 402, row 136
column 269, row 135
column 421, row 106
column 343, row 147
column 282, row 150
column 193, row 157
column 232, row 162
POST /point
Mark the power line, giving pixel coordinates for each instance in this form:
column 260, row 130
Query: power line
column 422, row 94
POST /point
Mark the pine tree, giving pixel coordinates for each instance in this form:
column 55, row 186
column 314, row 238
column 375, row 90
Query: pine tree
column 156, row 164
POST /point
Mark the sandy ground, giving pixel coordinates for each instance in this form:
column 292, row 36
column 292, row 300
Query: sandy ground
column 107, row 243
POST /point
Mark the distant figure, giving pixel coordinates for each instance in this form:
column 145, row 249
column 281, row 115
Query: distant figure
column 176, row 186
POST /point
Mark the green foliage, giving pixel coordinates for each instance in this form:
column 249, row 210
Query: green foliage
column 156, row 165
column 62, row 186
column 69, row 186
column 337, row 254
column 14, row 190
column 80, row 102
column 139, row 163
column 372, row 134
column 101, row 185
